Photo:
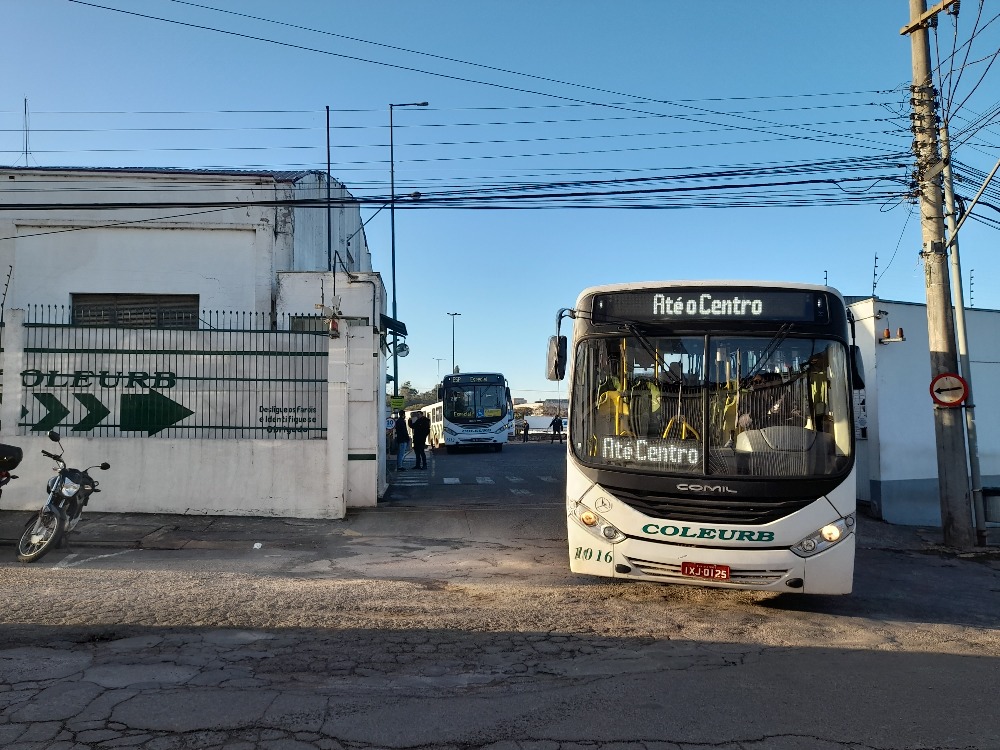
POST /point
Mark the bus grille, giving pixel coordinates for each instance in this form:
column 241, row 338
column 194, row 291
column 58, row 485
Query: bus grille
column 702, row 509
column 737, row 576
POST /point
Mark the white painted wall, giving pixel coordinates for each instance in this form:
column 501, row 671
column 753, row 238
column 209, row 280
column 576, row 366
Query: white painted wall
column 281, row 478
column 234, row 259
column 278, row 477
column 901, row 449
column 362, row 301
column 230, row 257
column 143, row 261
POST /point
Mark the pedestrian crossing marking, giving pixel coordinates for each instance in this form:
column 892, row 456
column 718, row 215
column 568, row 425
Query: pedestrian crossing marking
column 422, row 479
column 412, row 480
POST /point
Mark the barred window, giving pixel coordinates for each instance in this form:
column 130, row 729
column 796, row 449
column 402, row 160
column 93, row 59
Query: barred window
column 136, row 310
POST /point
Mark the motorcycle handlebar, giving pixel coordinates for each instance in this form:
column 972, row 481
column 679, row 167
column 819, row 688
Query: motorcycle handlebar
column 50, row 455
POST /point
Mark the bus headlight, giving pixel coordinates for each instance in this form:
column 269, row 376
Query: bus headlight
column 824, row 538
column 597, row 525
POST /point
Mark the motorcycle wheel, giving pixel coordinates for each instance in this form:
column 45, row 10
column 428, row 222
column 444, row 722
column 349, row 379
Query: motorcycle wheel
column 41, row 534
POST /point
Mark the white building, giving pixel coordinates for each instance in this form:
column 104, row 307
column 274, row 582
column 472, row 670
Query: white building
column 897, row 454
column 129, row 247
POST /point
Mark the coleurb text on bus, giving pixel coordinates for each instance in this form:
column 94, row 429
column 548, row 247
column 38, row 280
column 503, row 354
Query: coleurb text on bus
column 711, row 434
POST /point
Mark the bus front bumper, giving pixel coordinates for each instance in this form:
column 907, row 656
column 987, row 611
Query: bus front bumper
column 772, row 569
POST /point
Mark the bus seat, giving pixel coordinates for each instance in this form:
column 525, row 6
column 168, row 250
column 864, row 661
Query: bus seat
column 783, row 450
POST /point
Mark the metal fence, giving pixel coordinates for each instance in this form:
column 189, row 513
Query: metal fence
column 240, row 375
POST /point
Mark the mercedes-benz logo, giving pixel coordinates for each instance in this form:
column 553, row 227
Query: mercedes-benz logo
column 603, row 505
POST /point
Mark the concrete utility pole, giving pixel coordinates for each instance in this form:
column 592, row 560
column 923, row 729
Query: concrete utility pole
column 963, row 336
column 949, row 434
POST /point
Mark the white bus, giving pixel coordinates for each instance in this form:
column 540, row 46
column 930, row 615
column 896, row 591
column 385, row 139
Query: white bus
column 711, row 434
column 477, row 410
column 433, row 412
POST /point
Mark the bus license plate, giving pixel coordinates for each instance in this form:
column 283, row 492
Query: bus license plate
column 705, row 570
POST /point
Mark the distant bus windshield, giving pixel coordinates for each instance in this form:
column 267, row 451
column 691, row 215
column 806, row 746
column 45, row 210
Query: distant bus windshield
column 472, row 401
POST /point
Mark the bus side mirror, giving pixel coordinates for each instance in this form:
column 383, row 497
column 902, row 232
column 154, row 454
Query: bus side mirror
column 857, row 368
column 440, row 394
column 555, row 368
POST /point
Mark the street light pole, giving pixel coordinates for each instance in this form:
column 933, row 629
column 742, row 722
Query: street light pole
column 453, row 316
column 392, row 232
column 438, row 360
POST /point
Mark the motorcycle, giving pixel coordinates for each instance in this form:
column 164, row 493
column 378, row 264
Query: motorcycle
column 69, row 491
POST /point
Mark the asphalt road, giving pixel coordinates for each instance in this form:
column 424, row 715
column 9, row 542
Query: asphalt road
column 447, row 618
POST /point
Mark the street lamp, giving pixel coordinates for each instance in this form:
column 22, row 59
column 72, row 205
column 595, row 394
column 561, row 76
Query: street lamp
column 438, row 360
column 392, row 232
column 453, row 316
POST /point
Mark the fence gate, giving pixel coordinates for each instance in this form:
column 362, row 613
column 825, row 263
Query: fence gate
column 245, row 381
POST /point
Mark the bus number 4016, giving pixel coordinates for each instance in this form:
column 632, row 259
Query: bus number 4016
column 594, row 554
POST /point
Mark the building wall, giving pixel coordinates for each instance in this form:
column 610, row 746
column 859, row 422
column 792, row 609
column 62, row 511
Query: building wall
column 182, row 243
column 362, row 301
column 313, row 251
column 901, row 448
column 233, row 259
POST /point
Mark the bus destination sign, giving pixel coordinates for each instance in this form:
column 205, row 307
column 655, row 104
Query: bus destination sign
column 473, row 379
column 705, row 304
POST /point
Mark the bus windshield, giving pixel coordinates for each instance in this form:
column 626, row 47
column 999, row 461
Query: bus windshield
column 475, row 402
column 758, row 406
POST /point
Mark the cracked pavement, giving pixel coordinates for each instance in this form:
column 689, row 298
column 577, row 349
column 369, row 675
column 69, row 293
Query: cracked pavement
column 430, row 626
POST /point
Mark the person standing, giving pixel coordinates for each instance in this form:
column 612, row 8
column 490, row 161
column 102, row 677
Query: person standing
column 524, row 436
column 421, row 426
column 556, row 425
column 402, row 440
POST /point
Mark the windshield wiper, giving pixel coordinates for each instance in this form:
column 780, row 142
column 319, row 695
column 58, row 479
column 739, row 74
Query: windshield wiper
column 646, row 344
column 769, row 350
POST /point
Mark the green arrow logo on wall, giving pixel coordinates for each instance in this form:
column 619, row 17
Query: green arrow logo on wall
column 96, row 411
column 57, row 412
column 150, row 412
column 141, row 412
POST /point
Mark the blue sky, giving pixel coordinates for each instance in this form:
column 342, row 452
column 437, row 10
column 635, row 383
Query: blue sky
column 662, row 89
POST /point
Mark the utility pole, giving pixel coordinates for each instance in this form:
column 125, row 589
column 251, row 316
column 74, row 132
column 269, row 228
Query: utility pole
column 963, row 338
column 949, row 433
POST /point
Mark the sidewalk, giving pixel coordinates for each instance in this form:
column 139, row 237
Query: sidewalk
column 175, row 532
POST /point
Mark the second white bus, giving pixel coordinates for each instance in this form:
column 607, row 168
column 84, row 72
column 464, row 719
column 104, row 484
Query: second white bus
column 476, row 410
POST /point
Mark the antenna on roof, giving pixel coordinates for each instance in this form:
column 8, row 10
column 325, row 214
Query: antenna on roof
column 3, row 302
column 972, row 302
column 875, row 275
column 26, row 130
